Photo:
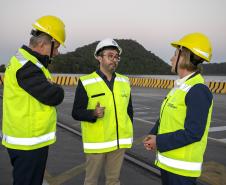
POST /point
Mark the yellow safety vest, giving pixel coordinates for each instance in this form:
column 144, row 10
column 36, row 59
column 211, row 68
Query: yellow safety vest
column 187, row 160
column 27, row 123
column 115, row 129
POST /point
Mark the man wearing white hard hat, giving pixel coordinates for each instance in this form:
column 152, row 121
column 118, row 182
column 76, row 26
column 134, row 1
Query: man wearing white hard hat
column 103, row 105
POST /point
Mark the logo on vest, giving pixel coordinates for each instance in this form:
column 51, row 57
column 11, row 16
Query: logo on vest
column 171, row 105
column 124, row 94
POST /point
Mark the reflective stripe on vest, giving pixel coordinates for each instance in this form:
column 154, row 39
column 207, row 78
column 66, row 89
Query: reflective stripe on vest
column 185, row 87
column 29, row 141
column 26, row 138
column 110, row 144
column 95, row 80
column 91, row 81
column 120, row 79
column 184, row 165
column 23, row 61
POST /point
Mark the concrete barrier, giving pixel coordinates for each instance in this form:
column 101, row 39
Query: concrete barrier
column 72, row 80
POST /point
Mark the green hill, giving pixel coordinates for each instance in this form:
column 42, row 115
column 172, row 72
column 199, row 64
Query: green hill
column 135, row 59
column 214, row 69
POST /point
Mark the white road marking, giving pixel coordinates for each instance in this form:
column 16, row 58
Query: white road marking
column 141, row 108
column 218, row 120
column 45, row 182
column 218, row 140
column 213, row 128
column 141, row 113
column 145, row 121
column 222, row 140
column 147, row 95
column 217, row 129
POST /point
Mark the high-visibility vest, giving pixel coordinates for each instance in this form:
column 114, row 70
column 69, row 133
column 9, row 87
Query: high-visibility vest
column 115, row 129
column 187, row 160
column 27, row 123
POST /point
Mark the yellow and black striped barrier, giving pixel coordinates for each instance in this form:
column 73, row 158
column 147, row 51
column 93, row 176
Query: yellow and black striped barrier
column 71, row 80
column 66, row 80
column 215, row 87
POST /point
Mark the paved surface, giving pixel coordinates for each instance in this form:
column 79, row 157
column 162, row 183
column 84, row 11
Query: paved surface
column 66, row 159
column 66, row 164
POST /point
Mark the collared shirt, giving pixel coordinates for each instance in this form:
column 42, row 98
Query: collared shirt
column 80, row 111
column 180, row 81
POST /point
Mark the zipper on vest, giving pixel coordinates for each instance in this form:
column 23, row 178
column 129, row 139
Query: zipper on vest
column 116, row 118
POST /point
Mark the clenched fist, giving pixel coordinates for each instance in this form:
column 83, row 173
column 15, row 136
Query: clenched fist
column 99, row 111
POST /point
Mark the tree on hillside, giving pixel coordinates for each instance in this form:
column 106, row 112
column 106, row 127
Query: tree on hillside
column 214, row 69
column 2, row 68
column 135, row 59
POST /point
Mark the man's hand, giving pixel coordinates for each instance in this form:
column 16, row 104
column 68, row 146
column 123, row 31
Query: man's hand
column 150, row 142
column 99, row 111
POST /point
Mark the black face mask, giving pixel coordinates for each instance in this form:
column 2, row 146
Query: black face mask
column 46, row 60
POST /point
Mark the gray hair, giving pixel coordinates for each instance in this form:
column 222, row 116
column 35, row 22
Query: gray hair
column 43, row 37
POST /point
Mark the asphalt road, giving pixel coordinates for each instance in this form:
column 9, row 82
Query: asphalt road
column 146, row 103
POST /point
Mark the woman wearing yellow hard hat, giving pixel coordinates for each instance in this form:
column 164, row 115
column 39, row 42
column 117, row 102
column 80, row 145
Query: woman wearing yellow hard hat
column 29, row 130
column 179, row 136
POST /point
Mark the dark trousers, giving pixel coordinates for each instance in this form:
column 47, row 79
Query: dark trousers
column 28, row 166
column 174, row 179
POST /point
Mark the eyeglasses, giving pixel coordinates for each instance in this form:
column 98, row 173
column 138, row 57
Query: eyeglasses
column 113, row 57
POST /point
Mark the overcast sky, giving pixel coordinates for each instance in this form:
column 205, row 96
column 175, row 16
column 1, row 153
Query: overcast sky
column 152, row 23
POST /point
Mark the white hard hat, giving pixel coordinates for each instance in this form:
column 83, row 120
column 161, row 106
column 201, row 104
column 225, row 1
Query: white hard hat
column 107, row 43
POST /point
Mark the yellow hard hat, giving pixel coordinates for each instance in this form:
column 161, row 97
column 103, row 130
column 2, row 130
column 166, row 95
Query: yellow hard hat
column 197, row 43
column 51, row 25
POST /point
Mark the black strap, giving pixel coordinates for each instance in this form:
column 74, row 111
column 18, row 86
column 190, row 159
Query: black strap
column 178, row 57
column 51, row 52
column 36, row 33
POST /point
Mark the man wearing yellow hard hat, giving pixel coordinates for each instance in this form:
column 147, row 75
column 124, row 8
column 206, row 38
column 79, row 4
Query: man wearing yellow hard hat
column 179, row 137
column 29, row 100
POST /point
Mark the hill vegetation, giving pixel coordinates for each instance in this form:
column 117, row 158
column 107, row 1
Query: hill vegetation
column 217, row 69
column 135, row 59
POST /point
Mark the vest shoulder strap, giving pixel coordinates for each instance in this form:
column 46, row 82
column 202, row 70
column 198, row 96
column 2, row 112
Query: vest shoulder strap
column 23, row 57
